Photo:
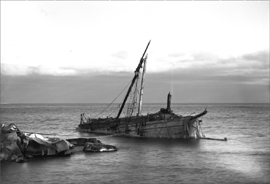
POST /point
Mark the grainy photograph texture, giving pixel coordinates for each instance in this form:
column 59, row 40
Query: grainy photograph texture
column 135, row 92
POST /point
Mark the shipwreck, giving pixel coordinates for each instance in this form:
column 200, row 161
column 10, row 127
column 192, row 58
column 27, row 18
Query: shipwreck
column 162, row 124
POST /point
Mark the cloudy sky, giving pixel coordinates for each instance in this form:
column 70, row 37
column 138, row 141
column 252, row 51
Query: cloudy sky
column 85, row 52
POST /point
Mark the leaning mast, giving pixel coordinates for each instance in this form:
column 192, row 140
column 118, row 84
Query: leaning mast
column 133, row 80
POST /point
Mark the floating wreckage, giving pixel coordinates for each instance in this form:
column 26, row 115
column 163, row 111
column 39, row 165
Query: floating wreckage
column 163, row 124
column 18, row 146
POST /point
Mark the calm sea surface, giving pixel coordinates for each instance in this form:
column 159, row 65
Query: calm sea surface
column 244, row 158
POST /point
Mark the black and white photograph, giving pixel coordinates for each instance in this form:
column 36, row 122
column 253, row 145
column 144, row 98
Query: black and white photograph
column 135, row 92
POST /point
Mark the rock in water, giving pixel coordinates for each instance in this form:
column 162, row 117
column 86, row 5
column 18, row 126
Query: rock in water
column 98, row 147
column 40, row 146
column 16, row 145
column 10, row 143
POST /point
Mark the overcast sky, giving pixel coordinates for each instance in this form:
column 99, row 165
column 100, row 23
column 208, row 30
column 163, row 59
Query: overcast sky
column 84, row 51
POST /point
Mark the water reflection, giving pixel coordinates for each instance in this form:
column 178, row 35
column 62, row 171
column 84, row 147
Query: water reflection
column 237, row 157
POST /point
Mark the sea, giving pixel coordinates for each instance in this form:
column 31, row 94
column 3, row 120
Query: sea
column 243, row 158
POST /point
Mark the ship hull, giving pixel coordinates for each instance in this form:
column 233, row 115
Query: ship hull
column 152, row 126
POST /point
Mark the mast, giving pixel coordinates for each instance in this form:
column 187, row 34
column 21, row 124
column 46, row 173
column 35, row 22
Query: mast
column 142, row 85
column 133, row 80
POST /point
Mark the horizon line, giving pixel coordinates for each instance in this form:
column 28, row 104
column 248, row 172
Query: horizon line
column 144, row 103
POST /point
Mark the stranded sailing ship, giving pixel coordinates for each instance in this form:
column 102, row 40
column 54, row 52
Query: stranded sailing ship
column 162, row 124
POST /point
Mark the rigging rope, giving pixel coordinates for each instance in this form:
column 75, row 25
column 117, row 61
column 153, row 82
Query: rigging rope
column 133, row 99
column 115, row 109
column 113, row 100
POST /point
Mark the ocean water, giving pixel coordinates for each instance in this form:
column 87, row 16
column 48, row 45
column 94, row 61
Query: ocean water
column 244, row 158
